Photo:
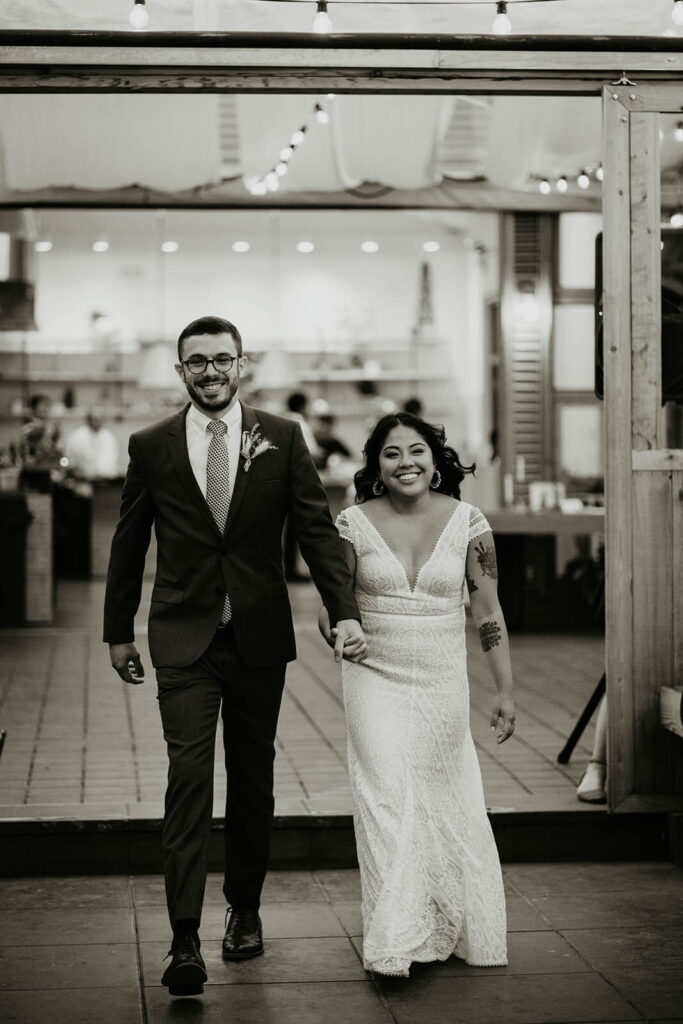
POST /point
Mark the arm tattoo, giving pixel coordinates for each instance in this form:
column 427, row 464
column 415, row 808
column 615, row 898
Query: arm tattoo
column 471, row 585
column 489, row 634
column 486, row 556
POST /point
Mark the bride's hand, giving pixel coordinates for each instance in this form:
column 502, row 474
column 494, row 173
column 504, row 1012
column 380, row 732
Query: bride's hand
column 503, row 718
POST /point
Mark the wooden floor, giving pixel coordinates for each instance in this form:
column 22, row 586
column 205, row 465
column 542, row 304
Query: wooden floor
column 77, row 736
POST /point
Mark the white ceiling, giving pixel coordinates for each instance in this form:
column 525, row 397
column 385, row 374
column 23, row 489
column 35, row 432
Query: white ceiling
column 549, row 17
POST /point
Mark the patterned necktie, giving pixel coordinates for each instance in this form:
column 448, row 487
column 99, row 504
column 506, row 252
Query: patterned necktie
column 218, row 486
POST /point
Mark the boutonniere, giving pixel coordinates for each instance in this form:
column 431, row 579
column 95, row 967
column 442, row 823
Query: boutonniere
column 253, row 444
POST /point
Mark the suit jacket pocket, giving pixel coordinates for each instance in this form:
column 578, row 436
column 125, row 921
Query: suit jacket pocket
column 167, row 595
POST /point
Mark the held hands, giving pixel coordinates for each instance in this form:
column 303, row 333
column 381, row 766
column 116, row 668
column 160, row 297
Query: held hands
column 126, row 660
column 503, row 718
column 346, row 638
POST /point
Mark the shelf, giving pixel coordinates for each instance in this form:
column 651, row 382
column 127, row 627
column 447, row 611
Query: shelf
column 67, row 378
column 353, row 376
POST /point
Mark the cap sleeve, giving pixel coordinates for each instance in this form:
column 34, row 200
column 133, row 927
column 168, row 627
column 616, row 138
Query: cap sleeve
column 478, row 524
column 343, row 524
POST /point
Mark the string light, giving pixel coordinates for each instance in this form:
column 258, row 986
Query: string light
column 678, row 133
column 369, row 246
column 100, row 246
column 270, row 182
column 169, row 246
column 562, row 184
column 431, row 246
column 544, row 186
column 676, row 219
column 322, row 22
column 305, row 247
column 677, row 12
column 599, row 173
column 502, row 26
column 43, row 246
column 583, row 181
column 138, row 17
column 240, row 246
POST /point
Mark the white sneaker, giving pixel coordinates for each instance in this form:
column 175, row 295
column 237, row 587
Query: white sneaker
column 591, row 789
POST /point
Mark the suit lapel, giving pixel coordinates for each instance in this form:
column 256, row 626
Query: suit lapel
column 249, row 421
column 177, row 442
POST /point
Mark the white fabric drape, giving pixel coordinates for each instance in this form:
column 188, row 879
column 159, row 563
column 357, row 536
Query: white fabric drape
column 109, row 141
column 368, row 138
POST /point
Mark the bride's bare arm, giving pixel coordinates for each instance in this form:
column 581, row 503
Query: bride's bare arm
column 481, row 575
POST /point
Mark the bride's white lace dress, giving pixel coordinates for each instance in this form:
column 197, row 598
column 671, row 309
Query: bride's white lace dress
column 430, row 873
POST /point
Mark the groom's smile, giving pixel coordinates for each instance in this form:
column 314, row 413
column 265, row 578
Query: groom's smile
column 212, row 390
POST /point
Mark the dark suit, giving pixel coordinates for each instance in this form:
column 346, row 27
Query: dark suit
column 200, row 668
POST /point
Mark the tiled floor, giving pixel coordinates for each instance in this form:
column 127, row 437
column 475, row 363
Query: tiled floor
column 587, row 943
column 77, row 736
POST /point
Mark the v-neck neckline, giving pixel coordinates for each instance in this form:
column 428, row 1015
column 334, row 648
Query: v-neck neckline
column 412, row 587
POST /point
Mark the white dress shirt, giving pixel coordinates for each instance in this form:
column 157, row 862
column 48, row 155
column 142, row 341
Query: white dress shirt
column 199, row 439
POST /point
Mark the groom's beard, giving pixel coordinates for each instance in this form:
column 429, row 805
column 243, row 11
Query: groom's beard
column 212, row 401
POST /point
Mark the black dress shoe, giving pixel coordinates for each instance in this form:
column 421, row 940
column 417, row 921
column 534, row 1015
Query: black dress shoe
column 243, row 937
column 186, row 973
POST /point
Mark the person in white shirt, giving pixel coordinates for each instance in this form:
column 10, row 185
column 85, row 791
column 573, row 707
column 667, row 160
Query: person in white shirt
column 92, row 449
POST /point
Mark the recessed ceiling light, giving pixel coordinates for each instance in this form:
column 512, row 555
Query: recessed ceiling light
column 240, row 246
column 369, row 246
column 100, row 246
column 43, row 246
column 305, row 246
column 431, row 246
column 169, row 246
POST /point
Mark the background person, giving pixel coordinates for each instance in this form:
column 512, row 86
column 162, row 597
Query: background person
column 430, row 874
column 92, row 449
column 216, row 481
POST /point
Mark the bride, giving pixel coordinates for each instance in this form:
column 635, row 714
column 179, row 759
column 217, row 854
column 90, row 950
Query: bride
column 430, row 873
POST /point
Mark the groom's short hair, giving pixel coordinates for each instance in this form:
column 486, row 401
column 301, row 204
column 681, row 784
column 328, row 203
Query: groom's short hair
column 209, row 325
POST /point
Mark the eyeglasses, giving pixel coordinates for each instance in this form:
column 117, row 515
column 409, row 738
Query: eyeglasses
column 222, row 363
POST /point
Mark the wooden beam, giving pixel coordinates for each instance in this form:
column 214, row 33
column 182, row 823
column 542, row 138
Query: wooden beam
column 646, row 261
column 618, row 501
column 660, row 459
column 448, row 195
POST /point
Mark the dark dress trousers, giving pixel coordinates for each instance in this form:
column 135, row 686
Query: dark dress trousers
column 202, row 670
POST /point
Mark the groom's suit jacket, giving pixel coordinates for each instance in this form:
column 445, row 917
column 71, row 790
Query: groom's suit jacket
column 196, row 565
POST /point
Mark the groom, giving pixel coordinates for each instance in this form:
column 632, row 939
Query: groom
column 217, row 481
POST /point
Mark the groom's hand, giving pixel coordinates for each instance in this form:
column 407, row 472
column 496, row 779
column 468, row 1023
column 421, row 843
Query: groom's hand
column 126, row 660
column 349, row 641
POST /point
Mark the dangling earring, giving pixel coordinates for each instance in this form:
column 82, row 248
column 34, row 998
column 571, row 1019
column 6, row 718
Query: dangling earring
column 436, row 480
column 378, row 487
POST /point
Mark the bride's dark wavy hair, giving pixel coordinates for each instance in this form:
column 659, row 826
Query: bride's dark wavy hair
column 446, row 459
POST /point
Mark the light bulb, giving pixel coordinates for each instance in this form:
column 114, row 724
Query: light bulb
column 678, row 133
column 322, row 22
column 297, row 138
column 286, row 153
column 431, row 246
column 583, row 181
column 281, row 169
column 369, row 246
column 272, row 181
column 305, row 247
column 43, row 246
column 562, row 184
column 676, row 219
column 240, row 246
column 169, row 246
column 138, row 17
column 100, row 245
column 321, row 115
column 677, row 12
column 502, row 26
column 544, row 186
column 259, row 188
